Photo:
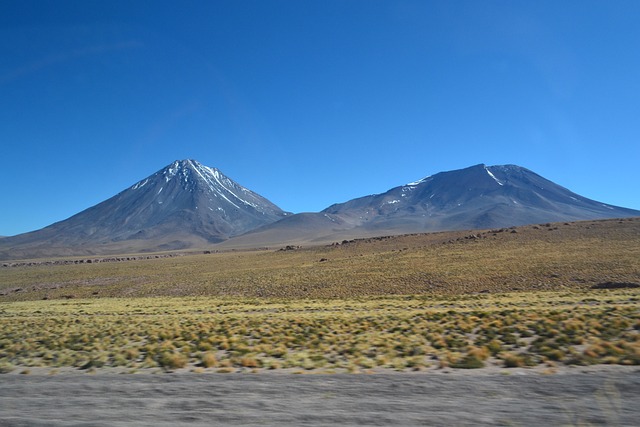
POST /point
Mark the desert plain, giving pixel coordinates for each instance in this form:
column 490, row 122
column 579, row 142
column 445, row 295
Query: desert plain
column 531, row 325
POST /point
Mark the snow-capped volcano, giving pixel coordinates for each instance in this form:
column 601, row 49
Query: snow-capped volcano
column 477, row 197
column 192, row 176
column 187, row 204
column 182, row 205
column 201, row 187
column 190, row 196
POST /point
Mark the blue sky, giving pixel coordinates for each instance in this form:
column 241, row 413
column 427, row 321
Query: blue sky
column 312, row 102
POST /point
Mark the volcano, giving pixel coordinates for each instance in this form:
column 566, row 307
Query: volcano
column 183, row 205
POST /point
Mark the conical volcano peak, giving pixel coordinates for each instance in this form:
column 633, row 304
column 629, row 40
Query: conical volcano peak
column 220, row 193
column 192, row 164
column 193, row 174
column 181, row 205
column 182, row 167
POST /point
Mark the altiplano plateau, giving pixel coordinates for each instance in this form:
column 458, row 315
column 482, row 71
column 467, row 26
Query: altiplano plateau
column 540, row 300
column 542, row 295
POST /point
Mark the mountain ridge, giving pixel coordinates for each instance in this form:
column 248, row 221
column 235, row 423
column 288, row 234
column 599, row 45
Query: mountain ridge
column 189, row 205
column 476, row 197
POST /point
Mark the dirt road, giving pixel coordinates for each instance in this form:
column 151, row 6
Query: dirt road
column 608, row 397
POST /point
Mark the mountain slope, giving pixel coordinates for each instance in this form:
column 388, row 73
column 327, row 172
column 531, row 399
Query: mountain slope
column 477, row 197
column 182, row 205
column 188, row 205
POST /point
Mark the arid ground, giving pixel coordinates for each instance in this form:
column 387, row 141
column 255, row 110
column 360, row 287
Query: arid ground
column 535, row 325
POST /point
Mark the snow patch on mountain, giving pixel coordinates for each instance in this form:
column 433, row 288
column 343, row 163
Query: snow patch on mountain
column 418, row 182
column 493, row 176
column 222, row 186
column 140, row 184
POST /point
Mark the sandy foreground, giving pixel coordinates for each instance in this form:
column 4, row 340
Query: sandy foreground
column 601, row 395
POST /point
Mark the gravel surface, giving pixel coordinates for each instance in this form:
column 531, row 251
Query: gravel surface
column 607, row 397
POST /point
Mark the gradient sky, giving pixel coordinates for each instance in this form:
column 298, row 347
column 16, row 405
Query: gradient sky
column 312, row 102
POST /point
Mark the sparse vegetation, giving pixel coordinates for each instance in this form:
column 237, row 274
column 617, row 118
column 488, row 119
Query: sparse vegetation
column 398, row 333
column 575, row 256
column 441, row 300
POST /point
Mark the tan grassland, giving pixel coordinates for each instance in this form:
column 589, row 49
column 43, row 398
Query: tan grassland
column 538, row 257
column 525, row 329
column 511, row 298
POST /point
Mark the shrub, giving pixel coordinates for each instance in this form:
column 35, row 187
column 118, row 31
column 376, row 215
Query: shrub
column 520, row 360
column 494, row 347
column 131, row 353
column 171, row 360
column 249, row 362
column 470, row 361
column 416, row 362
column 209, row 360
column 481, row 353
column 554, row 354
column 6, row 367
column 513, row 361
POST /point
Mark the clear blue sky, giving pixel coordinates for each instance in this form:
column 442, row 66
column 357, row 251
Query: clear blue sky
column 312, row 102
